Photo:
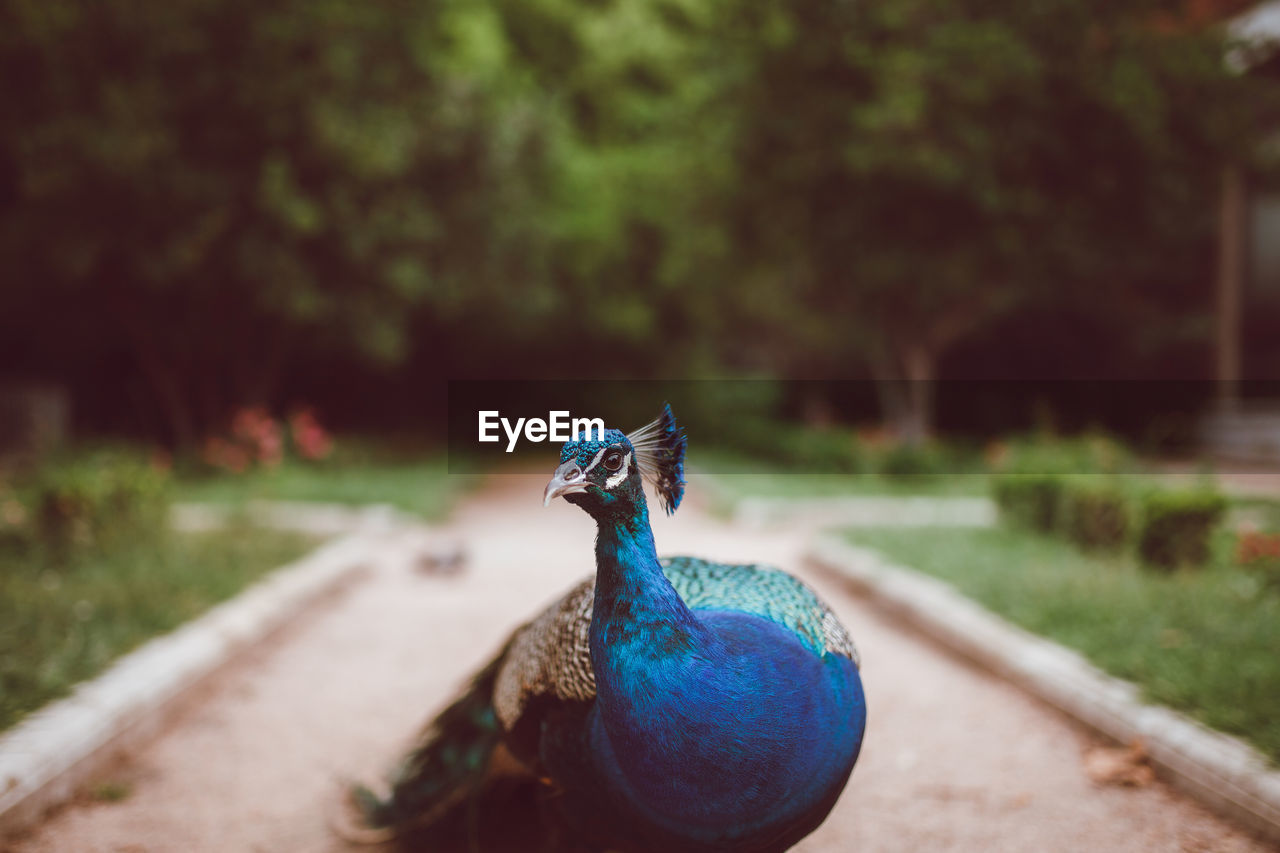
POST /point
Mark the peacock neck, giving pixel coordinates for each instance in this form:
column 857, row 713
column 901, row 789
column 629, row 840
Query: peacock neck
column 635, row 604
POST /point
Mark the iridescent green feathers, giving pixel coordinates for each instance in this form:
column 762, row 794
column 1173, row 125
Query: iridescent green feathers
column 660, row 447
column 763, row 591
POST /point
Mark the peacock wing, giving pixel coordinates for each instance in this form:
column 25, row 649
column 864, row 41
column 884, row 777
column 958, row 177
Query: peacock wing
column 548, row 659
column 489, row 731
column 764, row 591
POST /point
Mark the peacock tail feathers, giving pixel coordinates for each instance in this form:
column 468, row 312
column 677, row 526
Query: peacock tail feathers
column 448, row 767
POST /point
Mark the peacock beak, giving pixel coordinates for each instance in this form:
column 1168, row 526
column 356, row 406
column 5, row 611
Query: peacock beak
column 567, row 480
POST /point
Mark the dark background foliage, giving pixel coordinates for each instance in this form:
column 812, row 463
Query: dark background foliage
column 206, row 205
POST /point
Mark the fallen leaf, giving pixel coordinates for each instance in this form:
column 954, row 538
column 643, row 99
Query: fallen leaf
column 1126, row 766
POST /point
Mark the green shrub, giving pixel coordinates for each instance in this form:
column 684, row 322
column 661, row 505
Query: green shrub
column 1034, row 480
column 15, row 527
column 903, row 460
column 1096, row 513
column 1086, row 454
column 833, row 451
column 753, row 437
column 1177, row 527
column 100, row 501
column 1033, row 501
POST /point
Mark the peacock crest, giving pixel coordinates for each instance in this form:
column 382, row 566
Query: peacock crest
column 660, row 446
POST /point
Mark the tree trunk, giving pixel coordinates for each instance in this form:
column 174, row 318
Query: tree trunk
column 889, row 388
column 167, row 389
column 905, row 382
column 1229, row 285
column 918, row 367
column 146, row 336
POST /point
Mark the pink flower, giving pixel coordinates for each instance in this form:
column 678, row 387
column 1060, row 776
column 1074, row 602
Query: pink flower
column 257, row 438
column 259, row 435
column 311, row 440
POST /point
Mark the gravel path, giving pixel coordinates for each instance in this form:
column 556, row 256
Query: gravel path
column 955, row 759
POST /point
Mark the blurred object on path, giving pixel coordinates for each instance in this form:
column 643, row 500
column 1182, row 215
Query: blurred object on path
column 1124, row 766
column 441, row 557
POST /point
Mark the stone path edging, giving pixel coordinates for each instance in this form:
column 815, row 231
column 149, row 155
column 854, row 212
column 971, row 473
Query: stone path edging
column 311, row 517
column 48, row 756
column 1223, row 772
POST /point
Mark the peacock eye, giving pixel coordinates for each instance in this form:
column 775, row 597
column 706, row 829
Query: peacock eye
column 613, row 460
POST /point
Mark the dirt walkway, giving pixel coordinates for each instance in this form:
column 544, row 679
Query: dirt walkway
column 954, row 759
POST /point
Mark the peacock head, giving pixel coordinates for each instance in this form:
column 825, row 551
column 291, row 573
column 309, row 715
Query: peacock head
column 603, row 472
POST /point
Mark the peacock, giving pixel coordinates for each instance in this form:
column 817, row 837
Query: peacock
column 664, row 704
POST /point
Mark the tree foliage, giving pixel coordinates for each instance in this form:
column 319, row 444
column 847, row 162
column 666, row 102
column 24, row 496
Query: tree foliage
column 913, row 169
column 222, row 183
column 206, row 194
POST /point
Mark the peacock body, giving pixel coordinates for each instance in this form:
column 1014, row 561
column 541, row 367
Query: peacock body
column 673, row 704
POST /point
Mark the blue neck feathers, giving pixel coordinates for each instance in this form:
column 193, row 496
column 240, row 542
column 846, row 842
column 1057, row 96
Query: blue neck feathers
column 635, row 606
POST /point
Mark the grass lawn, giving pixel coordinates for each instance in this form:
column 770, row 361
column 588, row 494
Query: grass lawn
column 1206, row 643
column 418, row 484
column 63, row 621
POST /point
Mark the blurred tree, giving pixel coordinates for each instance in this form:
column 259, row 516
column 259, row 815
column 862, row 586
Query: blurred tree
column 222, row 183
column 198, row 200
column 911, row 169
column 633, row 239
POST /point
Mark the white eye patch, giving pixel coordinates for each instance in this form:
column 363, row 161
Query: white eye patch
column 596, row 461
column 617, row 478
